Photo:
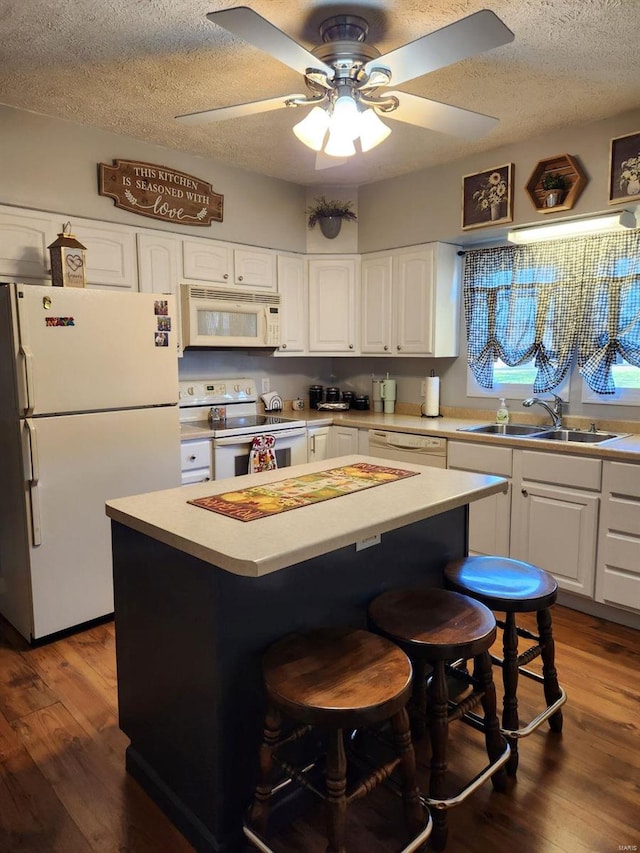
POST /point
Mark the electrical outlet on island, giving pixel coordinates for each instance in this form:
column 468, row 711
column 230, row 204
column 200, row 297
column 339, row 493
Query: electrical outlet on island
column 266, row 386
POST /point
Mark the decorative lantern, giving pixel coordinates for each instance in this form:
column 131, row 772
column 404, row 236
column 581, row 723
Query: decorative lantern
column 67, row 260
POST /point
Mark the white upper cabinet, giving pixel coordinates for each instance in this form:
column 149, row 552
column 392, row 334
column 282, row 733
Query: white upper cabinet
column 206, row 260
column 158, row 270
column 376, row 295
column 24, row 239
column 333, row 300
column 294, row 311
column 411, row 301
column 209, row 260
column 110, row 257
column 255, row 268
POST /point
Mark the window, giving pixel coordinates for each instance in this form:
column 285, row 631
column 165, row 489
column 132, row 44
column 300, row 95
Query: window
column 532, row 310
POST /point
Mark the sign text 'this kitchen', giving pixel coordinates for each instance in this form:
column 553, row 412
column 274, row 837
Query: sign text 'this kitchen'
column 160, row 193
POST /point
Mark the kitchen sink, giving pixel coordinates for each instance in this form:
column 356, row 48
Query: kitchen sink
column 504, row 429
column 583, row 437
column 544, row 433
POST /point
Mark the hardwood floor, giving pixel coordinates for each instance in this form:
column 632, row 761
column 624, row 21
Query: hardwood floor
column 63, row 786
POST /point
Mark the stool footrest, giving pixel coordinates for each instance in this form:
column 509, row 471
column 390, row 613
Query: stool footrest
column 414, row 844
column 473, row 785
column 525, row 731
column 379, row 775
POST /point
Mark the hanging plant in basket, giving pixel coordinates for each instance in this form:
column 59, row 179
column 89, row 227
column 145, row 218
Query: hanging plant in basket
column 329, row 213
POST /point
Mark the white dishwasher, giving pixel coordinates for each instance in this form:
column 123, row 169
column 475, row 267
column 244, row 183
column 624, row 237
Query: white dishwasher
column 408, row 447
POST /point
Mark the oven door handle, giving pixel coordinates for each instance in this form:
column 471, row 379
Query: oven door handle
column 280, row 435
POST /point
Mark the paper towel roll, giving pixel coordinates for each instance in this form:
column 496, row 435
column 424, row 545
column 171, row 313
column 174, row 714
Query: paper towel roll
column 432, row 397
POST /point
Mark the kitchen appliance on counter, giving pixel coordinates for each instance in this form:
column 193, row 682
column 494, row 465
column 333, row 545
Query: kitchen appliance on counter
column 233, row 436
column 407, row 447
column 89, row 390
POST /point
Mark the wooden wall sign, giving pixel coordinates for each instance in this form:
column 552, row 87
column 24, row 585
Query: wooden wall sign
column 159, row 192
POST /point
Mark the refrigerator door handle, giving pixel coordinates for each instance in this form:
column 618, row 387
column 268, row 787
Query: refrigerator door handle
column 34, row 476
column 30, row 385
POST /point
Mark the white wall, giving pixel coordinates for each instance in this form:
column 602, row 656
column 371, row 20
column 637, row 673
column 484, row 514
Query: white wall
column 52, row 165
column 426, row 205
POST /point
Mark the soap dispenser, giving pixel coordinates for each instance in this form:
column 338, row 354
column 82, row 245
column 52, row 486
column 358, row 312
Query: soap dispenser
column 502, row 415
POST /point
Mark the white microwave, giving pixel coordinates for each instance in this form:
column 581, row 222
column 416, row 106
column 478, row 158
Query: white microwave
column 221, row 317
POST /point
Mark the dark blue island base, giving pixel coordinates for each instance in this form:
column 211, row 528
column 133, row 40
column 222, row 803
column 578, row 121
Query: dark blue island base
column 189, row 641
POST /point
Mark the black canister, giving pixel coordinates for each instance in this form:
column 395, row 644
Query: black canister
column 315, row 395
column 333, row 394
column 348, row 397
column 361, row 402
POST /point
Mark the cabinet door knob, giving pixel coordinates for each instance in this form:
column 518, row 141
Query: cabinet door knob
column 350, row 346
column 226, row 275
column 386, row 347
column 240, row 277
column 525, row 493
column 284, row 346
column 192, row 458
column 398, row 347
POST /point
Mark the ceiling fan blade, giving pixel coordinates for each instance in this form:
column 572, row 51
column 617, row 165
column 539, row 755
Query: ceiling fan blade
column 467, row 37
column 324, row 161
column 238, row 110
column 442, row 118
column 253, row 28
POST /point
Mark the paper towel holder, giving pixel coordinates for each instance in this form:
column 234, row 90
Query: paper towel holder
column 423, row 414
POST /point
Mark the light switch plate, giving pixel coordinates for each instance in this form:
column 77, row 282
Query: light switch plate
column 266, row 385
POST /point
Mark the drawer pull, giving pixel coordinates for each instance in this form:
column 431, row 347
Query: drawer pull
column 192, row 458
column 525, row 492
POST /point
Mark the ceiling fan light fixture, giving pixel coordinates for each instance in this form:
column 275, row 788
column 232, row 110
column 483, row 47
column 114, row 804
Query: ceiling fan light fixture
column 339, row 144
column 346, row 117
column 312, row 130
column 372, row 130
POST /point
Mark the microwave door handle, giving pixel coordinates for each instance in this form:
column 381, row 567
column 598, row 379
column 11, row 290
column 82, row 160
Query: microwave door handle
column 33, row 478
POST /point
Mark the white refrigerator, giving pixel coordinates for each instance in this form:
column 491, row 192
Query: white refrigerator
column 88, row 403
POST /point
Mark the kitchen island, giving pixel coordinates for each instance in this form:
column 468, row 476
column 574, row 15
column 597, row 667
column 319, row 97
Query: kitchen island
column 199, row 596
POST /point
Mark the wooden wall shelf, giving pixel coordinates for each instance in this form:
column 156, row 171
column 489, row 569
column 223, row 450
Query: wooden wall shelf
column 563, row 164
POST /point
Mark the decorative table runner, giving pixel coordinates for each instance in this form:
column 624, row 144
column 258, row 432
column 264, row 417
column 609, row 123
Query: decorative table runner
column 260, row 501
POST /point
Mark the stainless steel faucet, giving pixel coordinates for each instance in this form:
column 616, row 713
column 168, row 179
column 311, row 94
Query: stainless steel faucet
column 555, row 413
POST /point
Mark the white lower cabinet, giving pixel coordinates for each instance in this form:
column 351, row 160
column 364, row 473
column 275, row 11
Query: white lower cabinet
column 343, row 441
column 554, row 516
column 618, row 566
column 489, row 518
column 195, row 459
column 318, row 443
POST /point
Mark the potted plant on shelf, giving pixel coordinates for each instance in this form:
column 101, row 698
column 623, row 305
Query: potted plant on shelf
column 554, row 186
column 329, row 213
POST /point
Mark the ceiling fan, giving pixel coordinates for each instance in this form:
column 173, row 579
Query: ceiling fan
column 348, row 80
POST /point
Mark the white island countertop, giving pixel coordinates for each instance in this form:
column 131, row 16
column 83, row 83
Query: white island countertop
column 256, row 548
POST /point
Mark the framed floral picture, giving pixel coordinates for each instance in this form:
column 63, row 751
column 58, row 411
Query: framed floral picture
column 624, row 169
column 487, row 197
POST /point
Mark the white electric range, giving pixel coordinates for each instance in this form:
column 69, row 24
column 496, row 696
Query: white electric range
column 228, row 408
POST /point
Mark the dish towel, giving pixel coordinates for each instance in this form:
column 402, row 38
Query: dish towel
column 263, row 454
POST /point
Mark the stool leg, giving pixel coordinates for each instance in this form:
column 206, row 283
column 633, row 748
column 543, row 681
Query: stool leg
column 510, row 681
column 336, row 781
column 438, row 731
column 419, row 699
column 549, row 672
column 410, row 793
column 259, row 812
column 483, row 677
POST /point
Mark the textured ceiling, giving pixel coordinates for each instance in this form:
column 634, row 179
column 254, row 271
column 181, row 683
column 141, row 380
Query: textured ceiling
column 131, row 66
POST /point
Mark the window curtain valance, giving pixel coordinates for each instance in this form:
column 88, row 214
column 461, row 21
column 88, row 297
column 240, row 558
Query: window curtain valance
column 543, row 301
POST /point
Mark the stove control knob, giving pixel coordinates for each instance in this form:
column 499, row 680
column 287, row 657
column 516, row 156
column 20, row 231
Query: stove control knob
column 190, row 390
column 248, row 389
column 236, row 387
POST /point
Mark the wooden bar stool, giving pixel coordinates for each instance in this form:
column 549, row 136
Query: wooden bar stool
column 437, row 628
column 511, row 587
column 329, row 680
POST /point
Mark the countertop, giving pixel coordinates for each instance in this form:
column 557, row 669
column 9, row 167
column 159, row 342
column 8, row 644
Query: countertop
column 256, row 548
column 622, row 449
